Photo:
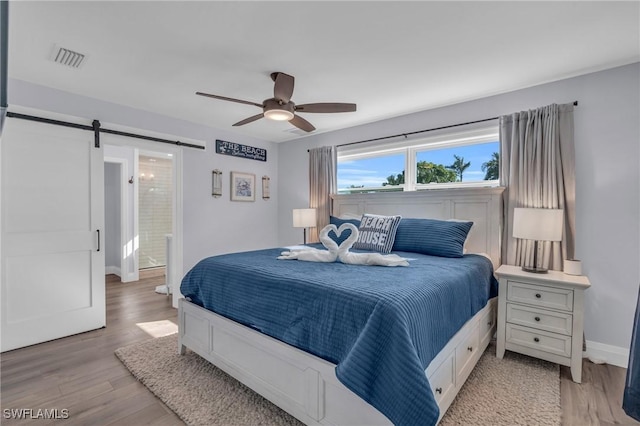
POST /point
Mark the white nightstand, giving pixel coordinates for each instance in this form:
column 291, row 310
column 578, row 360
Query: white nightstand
column 541, row 315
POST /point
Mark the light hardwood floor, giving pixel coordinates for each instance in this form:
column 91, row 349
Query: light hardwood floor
column 81, row 373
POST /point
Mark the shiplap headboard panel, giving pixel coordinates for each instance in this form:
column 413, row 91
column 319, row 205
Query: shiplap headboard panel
column 482, row 206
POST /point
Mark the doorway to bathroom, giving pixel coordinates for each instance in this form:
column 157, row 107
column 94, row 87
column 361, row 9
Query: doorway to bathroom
column 142, row 189
column 155, row 211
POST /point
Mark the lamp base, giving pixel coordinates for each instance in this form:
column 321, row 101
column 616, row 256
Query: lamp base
column 535, row 270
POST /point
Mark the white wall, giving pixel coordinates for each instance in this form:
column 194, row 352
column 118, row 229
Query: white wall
column 218, row 225
column 210, row 226
column 607, row 136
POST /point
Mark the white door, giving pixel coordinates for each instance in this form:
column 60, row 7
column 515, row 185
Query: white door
column 52, row 215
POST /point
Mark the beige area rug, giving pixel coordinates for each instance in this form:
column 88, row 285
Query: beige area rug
column 516, row 390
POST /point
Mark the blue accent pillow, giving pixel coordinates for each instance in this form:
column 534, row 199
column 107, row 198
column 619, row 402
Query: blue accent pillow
column 377, row 233
column 431, row 236
column 345, row 234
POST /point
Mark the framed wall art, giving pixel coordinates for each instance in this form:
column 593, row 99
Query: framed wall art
column 243, row 186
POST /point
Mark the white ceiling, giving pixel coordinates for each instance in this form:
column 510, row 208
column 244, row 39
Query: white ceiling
column 391, row 58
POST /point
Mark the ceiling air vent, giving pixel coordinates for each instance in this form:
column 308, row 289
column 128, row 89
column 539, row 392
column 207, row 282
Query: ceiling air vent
column 296, row 132
column 67, row 57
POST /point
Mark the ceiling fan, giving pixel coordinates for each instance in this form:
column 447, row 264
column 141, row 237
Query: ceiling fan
column 281, row 107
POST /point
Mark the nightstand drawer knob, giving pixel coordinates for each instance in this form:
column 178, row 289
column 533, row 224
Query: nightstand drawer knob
column 537, row 318
column 470, row 348
column 439, row 390
column 538, row 295
column 536, row 339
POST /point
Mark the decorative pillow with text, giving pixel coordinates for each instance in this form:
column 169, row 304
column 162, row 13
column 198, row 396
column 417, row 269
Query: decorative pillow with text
column 377, row 233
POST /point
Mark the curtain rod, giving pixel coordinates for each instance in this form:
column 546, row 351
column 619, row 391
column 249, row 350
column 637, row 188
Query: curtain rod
column 575, row 103
column 96, row 128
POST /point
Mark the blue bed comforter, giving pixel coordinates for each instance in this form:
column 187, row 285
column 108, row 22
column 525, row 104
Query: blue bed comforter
column 380, row 326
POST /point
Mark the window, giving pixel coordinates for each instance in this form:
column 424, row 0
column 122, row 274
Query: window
column 374, row 173
column 465, row 158
column 476, row 162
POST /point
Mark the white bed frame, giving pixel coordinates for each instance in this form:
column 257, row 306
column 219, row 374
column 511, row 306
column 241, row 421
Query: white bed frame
column 306, row 386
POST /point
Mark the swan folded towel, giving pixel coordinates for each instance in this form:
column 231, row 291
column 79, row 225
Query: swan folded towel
column 315, row 255
column 341, row 252
column 373, row 259
column 309, row 255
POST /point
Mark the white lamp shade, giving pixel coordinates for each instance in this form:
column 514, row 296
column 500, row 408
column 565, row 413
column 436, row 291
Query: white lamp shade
column 538, row 224
column 304, row 218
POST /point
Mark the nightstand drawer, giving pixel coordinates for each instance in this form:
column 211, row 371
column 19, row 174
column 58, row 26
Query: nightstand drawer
column 556, row 322
column 546, row 297
column 538, row 340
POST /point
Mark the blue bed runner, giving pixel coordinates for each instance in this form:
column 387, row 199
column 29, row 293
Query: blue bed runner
column 381, row 326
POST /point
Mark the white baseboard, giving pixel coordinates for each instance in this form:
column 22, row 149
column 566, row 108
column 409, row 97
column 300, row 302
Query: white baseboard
column 112, row 270
column 614, row 355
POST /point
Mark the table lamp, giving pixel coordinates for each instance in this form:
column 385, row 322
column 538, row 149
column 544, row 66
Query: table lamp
column 304, row 218
column 537, row 225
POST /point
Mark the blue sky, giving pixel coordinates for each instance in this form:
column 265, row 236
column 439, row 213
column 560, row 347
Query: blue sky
column 374, row 171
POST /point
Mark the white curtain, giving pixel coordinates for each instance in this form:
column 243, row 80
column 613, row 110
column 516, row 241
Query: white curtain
column 537, row 167
column 322, row 183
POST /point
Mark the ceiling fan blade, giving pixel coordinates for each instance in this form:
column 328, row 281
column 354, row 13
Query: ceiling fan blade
column 302, row 124
column 249, row 120
column 224, row 98
column 283, row 89
column 326, row 107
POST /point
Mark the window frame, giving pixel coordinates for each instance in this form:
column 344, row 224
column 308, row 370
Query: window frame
column 411, row 147
column 373, row 154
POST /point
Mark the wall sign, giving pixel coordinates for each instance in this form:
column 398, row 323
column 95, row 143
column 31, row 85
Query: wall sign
column 239, row 150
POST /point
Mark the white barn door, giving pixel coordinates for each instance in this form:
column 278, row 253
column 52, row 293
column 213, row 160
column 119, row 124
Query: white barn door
column 51, row 249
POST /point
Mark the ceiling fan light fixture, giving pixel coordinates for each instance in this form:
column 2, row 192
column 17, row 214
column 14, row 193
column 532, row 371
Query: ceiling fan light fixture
column 282, row 108
column 278, row 114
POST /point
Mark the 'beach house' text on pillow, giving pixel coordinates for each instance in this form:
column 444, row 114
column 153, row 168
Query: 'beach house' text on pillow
column 377, row 233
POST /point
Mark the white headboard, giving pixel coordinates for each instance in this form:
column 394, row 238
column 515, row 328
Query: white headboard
column 482, row 206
